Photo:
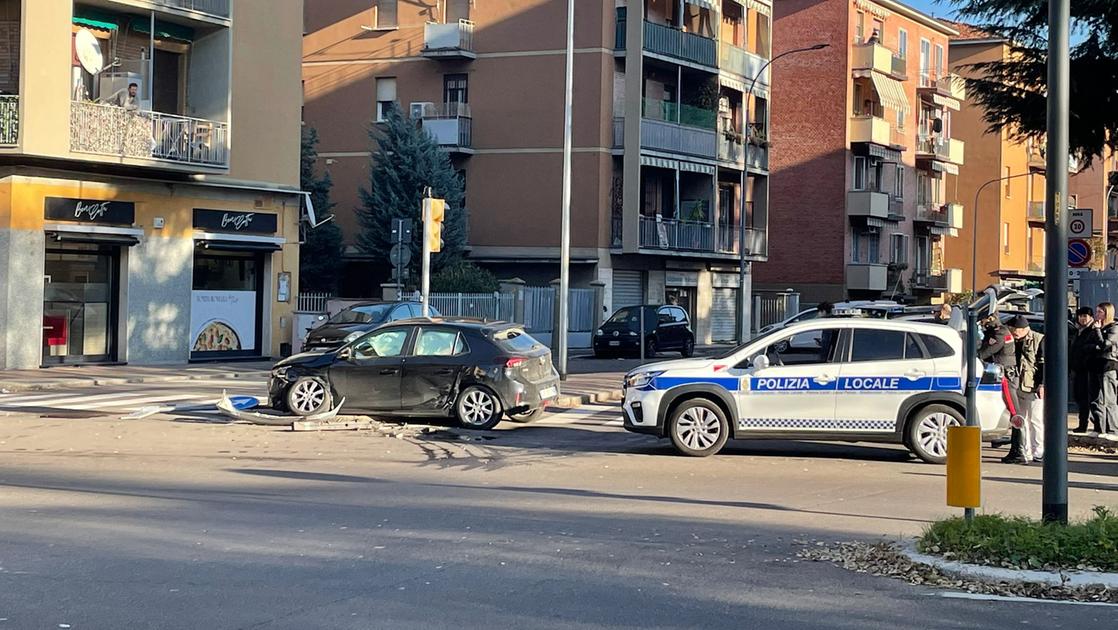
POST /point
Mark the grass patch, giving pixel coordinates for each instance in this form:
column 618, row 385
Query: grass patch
column 1021, row 543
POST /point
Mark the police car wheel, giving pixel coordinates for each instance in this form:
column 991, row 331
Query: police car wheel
column 699, row 428
column 927, row 432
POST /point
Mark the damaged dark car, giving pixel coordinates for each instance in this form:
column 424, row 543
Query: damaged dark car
column 477, row 372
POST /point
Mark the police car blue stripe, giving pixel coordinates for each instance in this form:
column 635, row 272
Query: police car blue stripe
column 667, row 382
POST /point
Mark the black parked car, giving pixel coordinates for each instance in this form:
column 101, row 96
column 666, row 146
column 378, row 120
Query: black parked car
column 433, row 367
column 359, row 319
column 665, row 327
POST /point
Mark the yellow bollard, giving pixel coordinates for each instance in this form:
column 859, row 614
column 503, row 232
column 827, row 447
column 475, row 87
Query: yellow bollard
column 964, row 467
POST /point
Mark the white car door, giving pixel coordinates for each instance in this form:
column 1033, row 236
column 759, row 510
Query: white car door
column 884, row 367
column 796, row 389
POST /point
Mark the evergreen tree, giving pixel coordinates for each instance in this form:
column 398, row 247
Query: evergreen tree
column 406, row 162
column 320, row 257
column 1013, row 92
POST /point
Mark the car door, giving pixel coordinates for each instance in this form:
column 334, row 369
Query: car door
column 432, row 370
column 683, row 326
column 883, row 367
column 794, row 389
column 369, row 377
column 667, row 331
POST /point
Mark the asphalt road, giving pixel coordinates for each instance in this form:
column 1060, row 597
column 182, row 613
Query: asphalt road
column 183, row 521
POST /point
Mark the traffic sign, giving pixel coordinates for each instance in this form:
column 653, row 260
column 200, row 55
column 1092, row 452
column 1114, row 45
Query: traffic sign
column 1080, row 223
column 1079, row 253
column 400, row 255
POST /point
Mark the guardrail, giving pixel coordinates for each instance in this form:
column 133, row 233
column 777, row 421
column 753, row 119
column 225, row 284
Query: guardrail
column 219, row 8
column 672, row 42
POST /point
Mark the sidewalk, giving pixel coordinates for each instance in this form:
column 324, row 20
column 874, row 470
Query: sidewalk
column 66, row 377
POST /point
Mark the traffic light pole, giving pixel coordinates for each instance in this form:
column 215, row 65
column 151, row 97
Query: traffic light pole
column 425, row 283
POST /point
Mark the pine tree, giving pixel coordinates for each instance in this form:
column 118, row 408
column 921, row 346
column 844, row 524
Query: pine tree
column 406, row 162
column 320, row 257
column 1013, row 91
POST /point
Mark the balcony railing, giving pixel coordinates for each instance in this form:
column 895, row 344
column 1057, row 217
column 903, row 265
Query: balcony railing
column 730, row 149
column 742, row 62
column 218, row 8
column 937, row 147
column 670, row 111
column 867, row 203
column 1036, row 211
column 879, row 58
column 9, row 119
column 110, row 130
column 618, row 133
column 672, row 42
column 943, row 280
column 675, row 234
column 866, row 276
column 875, row 130
column 451, row 125
column 933, row 214
column 673, row 138
column 449, row 41
column 946, row 84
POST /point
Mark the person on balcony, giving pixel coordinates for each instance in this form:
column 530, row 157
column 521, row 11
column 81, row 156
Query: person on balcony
column 127, row 98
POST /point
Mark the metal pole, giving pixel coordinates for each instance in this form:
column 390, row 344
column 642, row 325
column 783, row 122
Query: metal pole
column 641, row 307
column 565, row 242
column 972, row 380
column 425, row 283
column 1055, row 490
column 151, row 62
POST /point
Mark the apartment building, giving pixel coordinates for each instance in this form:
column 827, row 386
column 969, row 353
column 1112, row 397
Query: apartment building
column 1007, row 178
column 670, row 134
column 865, row 143
column 149, row 180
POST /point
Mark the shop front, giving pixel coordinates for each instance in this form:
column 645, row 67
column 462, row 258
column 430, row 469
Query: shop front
column 86, row 242
column 232, row 259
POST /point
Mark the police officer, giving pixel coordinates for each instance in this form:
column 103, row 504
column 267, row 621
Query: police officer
column 998, row 347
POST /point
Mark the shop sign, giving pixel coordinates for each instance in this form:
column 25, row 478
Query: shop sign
column 682, row 279
column 233, row 221
column 90, row 211
column 223, row 321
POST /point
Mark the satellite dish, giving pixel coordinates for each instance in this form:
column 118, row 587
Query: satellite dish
column 89, row 51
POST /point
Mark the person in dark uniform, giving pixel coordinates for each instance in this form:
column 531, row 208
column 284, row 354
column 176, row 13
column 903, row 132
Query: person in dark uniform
column 998, row 347
column 1083, row 361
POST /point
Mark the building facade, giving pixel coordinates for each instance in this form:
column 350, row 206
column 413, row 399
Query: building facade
column 865, row 143
column 670, row 143
column 1003, row 240
column 149, row 180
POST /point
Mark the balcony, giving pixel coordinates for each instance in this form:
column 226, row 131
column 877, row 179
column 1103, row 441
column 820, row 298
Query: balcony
column 867, row 276
column 449, row 41
column 731, row 149
column 945, row 281
column 743, row 63
column 672, row 42
column 215, row 8
column 932, row 217
column 1038, row 161
column 675, row 234
column 734, row 149
column 683, row 129
column 948, row 85
column 954, row 216
column 9, row 120
column 880, row 59
column 867, row 204
column 875, row 130
column 1036, row 212
column 450, row 125
column 114, row 131
column 934, row 147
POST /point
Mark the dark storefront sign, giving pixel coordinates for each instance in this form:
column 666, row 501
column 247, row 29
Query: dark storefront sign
column 235, row 222
column 90, row 211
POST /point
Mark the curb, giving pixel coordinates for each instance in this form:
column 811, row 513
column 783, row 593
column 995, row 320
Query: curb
column 1070, row 579
column 82, row 382
column 571, row 401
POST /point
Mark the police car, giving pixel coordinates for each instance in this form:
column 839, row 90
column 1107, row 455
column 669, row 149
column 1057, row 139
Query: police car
column 848, row 380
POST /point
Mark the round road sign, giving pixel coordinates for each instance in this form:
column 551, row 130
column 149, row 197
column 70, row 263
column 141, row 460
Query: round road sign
column 1079, row 253
column 400, row 255
column 1077, row 226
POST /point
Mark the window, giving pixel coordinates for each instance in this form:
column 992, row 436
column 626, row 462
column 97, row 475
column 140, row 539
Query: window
column 925, row 59
column 386, row 97
column 387, row 343
column 939, row 61
column 860, row 169
column 898, row 181
column 860, row 28
column 386, row 14
column 902, row 44
column 900, row 249
column 877, row 345
column 1005, row 237
column 866, row 247
column 457, row 10
column 937, row 348
column 912, row 349
column 516, row 340
column 439, row 343
column 878, row 33
column 455, row 90
column 805, row 348
column 1008, row 182
column 402, row 311
column 900, row 120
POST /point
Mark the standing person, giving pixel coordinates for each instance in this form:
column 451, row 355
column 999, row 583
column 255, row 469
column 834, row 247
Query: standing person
column 943, row 314
column 825, row 309
column 998, row 348
column 1104, row 412
column 1083, row 361
column 1029, row 358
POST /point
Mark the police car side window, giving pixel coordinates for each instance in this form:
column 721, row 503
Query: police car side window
column 877, row 345
column 804, row 348
column 937, row 348
column 912, row 349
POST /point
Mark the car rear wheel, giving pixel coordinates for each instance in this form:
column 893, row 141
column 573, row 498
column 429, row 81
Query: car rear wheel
column 308, row 396
column 650, row 348
column 527, row 416
column 926, row 434
column 478, row 408
column 688, row 349
column 699, row 428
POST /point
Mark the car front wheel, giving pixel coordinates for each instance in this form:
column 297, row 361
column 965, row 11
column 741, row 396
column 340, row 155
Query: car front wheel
column 699, row 428
column 478, row 408
column 308, row 396
column 926, row 434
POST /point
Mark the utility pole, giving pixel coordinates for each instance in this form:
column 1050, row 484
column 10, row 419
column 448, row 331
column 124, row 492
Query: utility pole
column 1055, row 489
column 565, row 238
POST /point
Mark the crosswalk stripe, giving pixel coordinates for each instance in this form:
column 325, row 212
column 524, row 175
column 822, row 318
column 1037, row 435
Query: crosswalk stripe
column 55, row 400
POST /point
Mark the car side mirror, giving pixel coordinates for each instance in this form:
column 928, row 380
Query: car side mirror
column 321, row 318
column 761, row 362
column 346, row 353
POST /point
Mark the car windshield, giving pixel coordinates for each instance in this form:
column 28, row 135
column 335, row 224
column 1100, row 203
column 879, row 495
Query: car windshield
column 370, row 314
column 632, row 315
column 737, row 349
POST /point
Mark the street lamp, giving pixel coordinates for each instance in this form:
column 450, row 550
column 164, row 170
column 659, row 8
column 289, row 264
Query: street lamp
column 560, row 326
column 743, row 334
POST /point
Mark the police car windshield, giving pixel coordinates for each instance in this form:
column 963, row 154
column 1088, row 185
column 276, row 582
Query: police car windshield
column 737, row 349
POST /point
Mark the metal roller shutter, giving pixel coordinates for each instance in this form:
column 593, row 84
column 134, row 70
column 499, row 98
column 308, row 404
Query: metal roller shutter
column 723, row 314
column 628, row 288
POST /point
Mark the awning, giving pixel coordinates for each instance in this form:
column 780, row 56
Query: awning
column 866, row 149
column 890, row 91
column 122, row 240
column 941, row 167
column 945, row 101
column 706, row 4
column 163, row 30
column 874, row 222
column 695, row 167
column 102, row 20
column 239, row 246
column 659, row 162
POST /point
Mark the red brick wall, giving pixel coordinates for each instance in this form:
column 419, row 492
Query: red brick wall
column 807, row 218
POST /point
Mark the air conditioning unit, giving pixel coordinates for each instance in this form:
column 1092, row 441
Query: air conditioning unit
column 423, row 109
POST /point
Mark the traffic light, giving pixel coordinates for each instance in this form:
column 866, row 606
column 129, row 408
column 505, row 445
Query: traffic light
column 436, row 210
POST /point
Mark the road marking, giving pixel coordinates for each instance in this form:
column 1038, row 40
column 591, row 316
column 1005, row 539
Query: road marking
column 1015, row 599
